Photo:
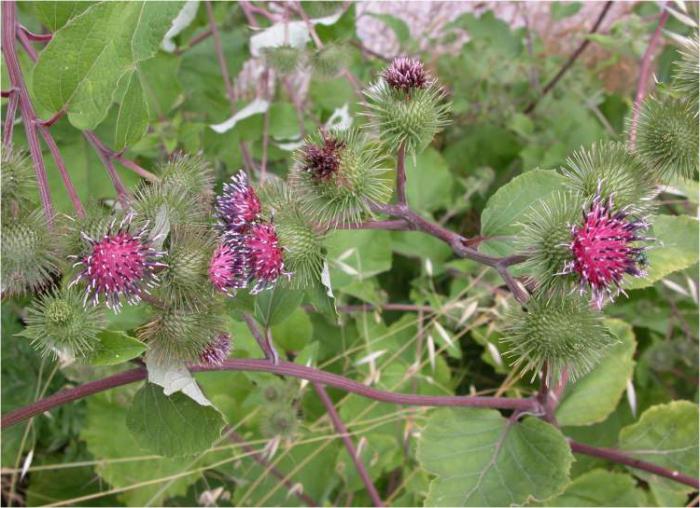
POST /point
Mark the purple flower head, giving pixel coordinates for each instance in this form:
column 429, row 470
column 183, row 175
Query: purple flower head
column 265, row 256
column 406, row 74
column 119, row 266
column 604, row 247
column 228, row 268
column 238, row 206
column 322, row 161
column 217, row 350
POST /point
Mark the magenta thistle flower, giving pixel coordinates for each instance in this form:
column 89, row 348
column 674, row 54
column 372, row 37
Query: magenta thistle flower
column 265, row 256
column 604, row 248
column 406, row 74
column 322, row 161
column 228, row 267
column 217, row 350
column 119, row 266
column 239, row 205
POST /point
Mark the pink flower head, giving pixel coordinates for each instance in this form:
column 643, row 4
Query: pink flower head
column 265, row 256
column 217, row 350
column 406, row 74
column 322, row 161
column 228, row 267
column 238, row 206
column 604, row 249
column 120, row 265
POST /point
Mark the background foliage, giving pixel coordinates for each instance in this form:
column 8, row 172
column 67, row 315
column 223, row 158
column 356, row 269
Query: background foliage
column 155, row 98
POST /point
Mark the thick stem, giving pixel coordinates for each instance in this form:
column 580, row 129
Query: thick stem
column 9, row 32
column 572, row 59
column 258, row 457
column 349, row 445
column 644, row 73
column 401, row 174
column 282, row 368
column 622, row 458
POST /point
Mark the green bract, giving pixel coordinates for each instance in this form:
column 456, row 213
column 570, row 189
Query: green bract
column 59, row 323
column 284, row 59
column 686, row 77
column 560, row 331
column 411, row 120
column 192, row 174
column 17, row 185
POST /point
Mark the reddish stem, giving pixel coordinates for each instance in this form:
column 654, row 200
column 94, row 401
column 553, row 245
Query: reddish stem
column 9, row 126
column 132, row 166
column 220, row 56
column 65, row 176
column 644, row 73
column 35, row 37
column 401, row 174
column 106, row 155
column 622, row 458
column 349, row 445
column 9, row 31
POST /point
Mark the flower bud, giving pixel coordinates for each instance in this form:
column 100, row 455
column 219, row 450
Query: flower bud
column 667, row 137
column 184, row 279
column 279, row 420
column 17, row 184
column 284, row 59
column 686, row 76
column 57, row 324
column 217, row 350
column 561, row 331
column 330, row 60
column 190, row 174
column 30, row 253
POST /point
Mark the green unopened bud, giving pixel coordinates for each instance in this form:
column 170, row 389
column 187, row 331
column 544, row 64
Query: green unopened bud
column 161, row 201
column 30, row 254
column 667, row 137
column 58, row 323
column 180, row 334
column 279, row 420
column 338, row 175
column 686, row 77
column 330, row 60
column 192, row 174
column 284, row 59
column 17, row 185
column 607, row 170
column 561, row 331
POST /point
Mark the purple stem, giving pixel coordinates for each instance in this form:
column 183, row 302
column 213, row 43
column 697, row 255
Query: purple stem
column 9, row 31
column 622, row 458
column 105, row 155
column 282, row 368
column 10, row 114
column 258, row 457
column 349, row 445
column 132, row 166
column 644, row 73
column 264, row 341
column 65, row 176
column 401, row 174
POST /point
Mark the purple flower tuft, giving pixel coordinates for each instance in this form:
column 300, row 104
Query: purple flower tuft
column 120, row 265
column 604, row 249
column 265, row 256
column 322, row 161
column 239, row 205
column 217, row 350
column 228, row 267
column 406, row 74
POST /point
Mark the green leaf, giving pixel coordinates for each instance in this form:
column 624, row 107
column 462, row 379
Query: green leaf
column 354, row 255
column 132, row 118
column 428, row 181
column 500, row 219
column 78, row 69
column 601, row 488
column 274, row 306
column 294, row 332
column 116, row 348
column 482, row 459
column 107, row 436
column 398, row 26
column 161, row 85
column 561, row 10
column 665, row 435
column 283, row 121
column 675, row 248
column 53, row 15
column 172, row 426
column 596, row 395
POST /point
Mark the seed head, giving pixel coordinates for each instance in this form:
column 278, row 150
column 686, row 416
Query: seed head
column 322, row 161
column 265, row 256
column 119, row 266
column 238, row 206
column 406, row 74
column 217, row 350
column 604, row 249
column 228, row 268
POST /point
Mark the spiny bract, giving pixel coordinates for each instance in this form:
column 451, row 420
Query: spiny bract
column 560, row 331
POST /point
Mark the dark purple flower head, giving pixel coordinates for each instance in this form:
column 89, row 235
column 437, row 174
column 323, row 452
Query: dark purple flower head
column 265, row 256
column 228, row 268
column 604, row 247
column 406, row 74
column 238, row 206
column 322, row 161
column 217, row 350
column 118, row 266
